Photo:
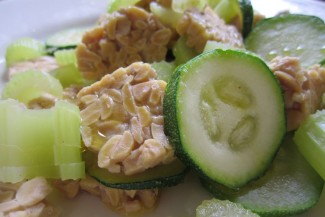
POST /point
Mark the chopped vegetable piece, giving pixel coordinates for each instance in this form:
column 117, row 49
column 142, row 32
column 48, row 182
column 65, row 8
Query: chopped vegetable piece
column 164, row 69
column 30, row 85
column 222, row 208
column 65, row 57
column 160, row 176
column 277, row 36
column 246, row 16
column 219, row 118
column 181, row 5
column 66, row 39
column 68, row 75
column 182, row 52
column 24, row 49
column 227, row 9
column 48, row 144
column 165, row 15
column 114, row 5
column 310, row 138
column 290, row 186
column 212, row 45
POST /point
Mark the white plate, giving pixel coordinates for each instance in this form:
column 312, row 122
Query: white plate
column 40, row 18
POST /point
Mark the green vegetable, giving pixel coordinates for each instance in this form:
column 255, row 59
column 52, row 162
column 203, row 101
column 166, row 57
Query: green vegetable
column 227, row 9
column 219, row 117
column 68, row 75
column 212, row 45
column 310, row 138
column 222, row 208
column 295, row 35
column 181, row 5
column 65, row 57
column 24, row 49
column 42, row 142
column 29, row 85
column 164, row 69
column 114, row 5
column 246, row 16
column 182, row 52
column 290, row 186
column 158, row 177
column 165, row 15
column 65, row 39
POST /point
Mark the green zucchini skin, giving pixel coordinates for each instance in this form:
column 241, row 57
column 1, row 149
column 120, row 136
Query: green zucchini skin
column 248, row 16
column 172, row 113
column 289, row 187
column 159, row 177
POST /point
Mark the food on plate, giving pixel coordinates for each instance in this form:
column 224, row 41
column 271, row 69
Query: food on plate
column 228, row 137
column 157, row 88
column 222, row 208
column 276, row 193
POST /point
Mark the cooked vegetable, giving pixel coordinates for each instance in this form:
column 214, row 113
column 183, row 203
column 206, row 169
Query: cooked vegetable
column 65, row 57
column 310, row 141
column 30, row 85
column 114, row 5
column 157, row 177
column 182, row 52
column 222, row 208
column 24, row 49
column 65, row 39
column 48, row 144
column 165, row 15
column 219, row 118
column 68, row 75
column 227, row 9
column 246, row 16
column 278, row 36
column 164, row 69
column 290, row 186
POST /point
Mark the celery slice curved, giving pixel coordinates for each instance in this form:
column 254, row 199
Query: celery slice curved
column 24, row 49
column 65, row 57
column 30, row 85
column 68, row 75
column 43, row 142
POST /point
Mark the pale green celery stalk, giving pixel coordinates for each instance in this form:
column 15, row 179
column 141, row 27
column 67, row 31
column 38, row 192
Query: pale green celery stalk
column 165, row 15
column 227, row 9
column 164, row 69
column 24, row 49
column 39, row 142
column 29, row 85
column 180, row 6
column 114, row 5
column 65, row 57
column 68, row 75
column 182, row 52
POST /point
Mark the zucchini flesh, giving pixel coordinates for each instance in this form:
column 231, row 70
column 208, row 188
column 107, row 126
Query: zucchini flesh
column 157, row 177
column 278, row 36
column 222, row 208
column 219, row 118
column 290, row 186
column 310, row 138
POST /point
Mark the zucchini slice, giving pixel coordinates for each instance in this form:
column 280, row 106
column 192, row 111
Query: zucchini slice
column 301, row 36
column 161, row 176
column 289, row 187
column 65, row 39
column 224, row 114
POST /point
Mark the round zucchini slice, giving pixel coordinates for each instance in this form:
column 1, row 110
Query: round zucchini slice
column 224, row 114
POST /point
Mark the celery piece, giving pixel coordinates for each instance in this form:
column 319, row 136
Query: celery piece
column 40, row 142
column 212, row 45
column 68, row 75
column 181, row 5
column 164, row 69
column 310, row 139
column 213, row 3
column 165, row 15
column 227, row 9
column 29, row 85
column 65, row 57
column 114, row 5
column 182, row 52
column 24, row 49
